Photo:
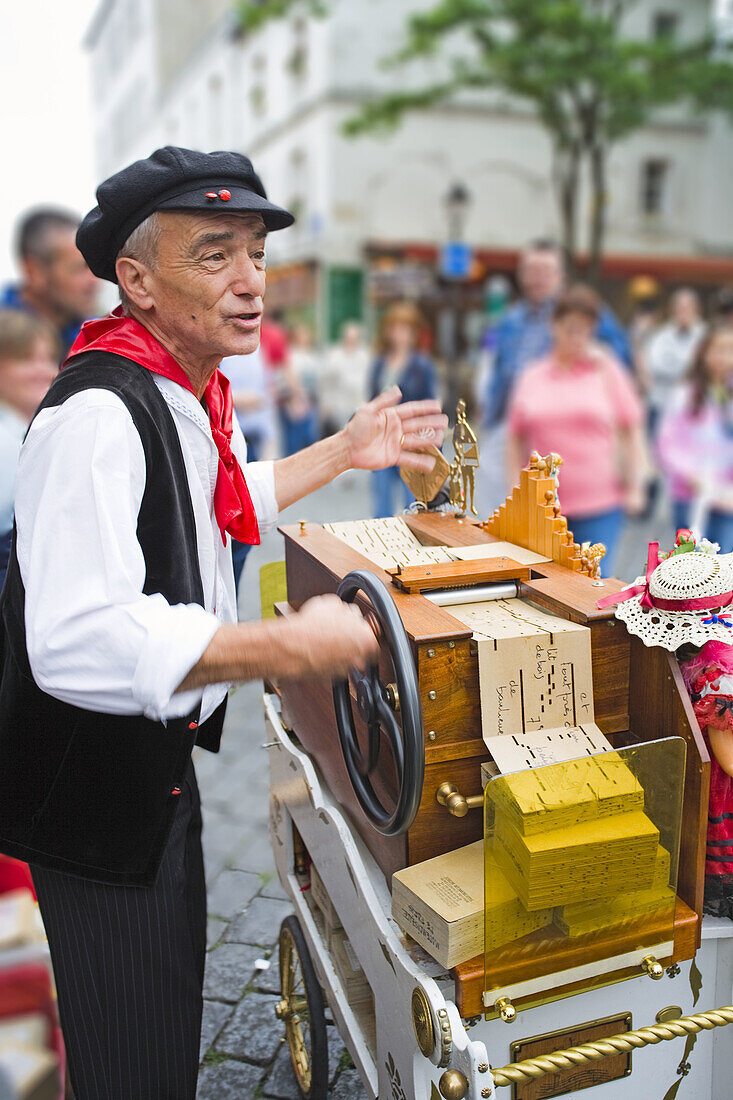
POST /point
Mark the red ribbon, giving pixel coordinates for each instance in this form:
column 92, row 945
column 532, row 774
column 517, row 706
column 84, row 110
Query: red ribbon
column 125, row 336
column 702, row 603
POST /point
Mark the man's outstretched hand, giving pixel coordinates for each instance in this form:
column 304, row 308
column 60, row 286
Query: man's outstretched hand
column 385, row 433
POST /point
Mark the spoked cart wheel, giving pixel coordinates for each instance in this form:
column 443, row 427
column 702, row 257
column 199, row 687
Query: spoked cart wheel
column 302, row 1011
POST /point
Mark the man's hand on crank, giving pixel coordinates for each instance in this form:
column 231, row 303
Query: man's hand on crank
column 327, row 638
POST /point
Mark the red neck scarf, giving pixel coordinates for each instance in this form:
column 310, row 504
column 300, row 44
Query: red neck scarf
column 125, row 336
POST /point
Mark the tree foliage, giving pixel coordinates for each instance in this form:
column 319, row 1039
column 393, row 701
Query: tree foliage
column 589, row 82
column 253, row 14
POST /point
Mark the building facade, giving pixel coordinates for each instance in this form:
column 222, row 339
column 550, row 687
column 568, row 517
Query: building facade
column 371, row 210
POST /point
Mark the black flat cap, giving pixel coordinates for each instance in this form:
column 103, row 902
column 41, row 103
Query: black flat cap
column 170, row 179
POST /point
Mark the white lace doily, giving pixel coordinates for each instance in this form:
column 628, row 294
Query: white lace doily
column 682, row 577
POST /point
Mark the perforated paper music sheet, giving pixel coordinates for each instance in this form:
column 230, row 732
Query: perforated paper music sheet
column 516, row 751
column 387, row 542
column 534, row 668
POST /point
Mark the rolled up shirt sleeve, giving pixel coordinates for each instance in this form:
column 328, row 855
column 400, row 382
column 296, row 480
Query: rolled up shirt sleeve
column 94, row 639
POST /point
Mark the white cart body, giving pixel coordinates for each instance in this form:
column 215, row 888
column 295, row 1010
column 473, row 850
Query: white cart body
column 383, row 1045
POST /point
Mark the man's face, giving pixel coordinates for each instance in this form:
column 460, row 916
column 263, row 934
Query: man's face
column 685, row 309
column 60, row 279
column 351, row 337
column 209, row 281
column 541, row 275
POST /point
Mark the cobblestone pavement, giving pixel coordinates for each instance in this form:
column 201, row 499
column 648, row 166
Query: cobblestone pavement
column 242, row 1049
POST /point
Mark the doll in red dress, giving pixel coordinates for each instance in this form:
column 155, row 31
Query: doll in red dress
column 709, row 679
column 685, row 605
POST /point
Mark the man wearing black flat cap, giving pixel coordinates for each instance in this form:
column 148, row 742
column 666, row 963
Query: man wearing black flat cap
column 119, row 635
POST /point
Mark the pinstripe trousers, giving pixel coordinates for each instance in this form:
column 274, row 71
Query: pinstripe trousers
column 129, row 967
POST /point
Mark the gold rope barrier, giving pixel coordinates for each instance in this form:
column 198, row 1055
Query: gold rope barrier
column 532, row 1068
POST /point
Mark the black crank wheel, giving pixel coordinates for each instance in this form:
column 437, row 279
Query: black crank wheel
column 301, row 1009
column 405, row 738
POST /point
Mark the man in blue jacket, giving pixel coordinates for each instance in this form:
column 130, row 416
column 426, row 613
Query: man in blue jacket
column 525, row 333
column 56, row 283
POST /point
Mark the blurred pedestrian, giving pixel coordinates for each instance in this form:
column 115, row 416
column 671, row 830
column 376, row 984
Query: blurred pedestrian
column 580, row 402
column 644, row 322
column 695, row 446
column 723, row 304
column 274, row 340
column 670, row 352
column 252, row 401
column 56, row 283
column 28, row 358
column 399, row 363
column 523, row 335
column 343, row 381
column 298, row 393
column 526, row 331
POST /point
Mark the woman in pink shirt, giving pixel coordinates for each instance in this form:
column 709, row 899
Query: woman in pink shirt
column 580, row 403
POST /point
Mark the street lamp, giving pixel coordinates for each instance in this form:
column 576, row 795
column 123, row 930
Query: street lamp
column 455, row 268
column 457, row 202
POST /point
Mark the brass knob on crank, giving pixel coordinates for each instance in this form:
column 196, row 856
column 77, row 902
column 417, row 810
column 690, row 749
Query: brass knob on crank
column 457, row 804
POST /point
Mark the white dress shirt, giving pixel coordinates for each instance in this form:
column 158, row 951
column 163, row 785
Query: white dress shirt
column 94, row 639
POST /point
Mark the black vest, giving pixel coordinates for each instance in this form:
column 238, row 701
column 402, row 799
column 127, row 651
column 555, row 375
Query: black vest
column 87, row 793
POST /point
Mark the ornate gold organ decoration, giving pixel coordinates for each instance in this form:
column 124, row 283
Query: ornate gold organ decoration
column 533, row 1068
column 463, row 478
column 532, row 517
column 461, row 473
column 426, row 484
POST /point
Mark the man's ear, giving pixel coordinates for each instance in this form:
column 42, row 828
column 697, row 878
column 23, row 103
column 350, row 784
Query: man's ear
column 34, row 273
column 133, row 278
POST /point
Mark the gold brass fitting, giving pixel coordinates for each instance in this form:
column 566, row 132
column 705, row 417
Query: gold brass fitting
column 666, row 1015
column 652, row 967
column 448, row 795
column 393, row 696
column 506, row 1010
column 422, row 1022
column 453, row 1085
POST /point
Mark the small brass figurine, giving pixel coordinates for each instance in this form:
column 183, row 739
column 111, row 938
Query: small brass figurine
column 591, row 558
column 465, row 445
column 456, row 490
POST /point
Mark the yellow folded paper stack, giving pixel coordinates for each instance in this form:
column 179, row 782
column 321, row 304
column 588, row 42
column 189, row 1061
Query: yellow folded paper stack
column 582, row 862
column 567, row 794
column 658, row 900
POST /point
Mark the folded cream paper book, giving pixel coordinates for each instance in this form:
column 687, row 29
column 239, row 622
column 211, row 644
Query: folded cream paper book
column 440, row 903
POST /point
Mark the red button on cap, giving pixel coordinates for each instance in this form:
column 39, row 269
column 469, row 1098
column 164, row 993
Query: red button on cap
column 225, row 195
column 211, row 195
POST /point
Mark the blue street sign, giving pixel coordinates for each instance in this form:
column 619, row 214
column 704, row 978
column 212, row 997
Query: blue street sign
column 455, row 261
